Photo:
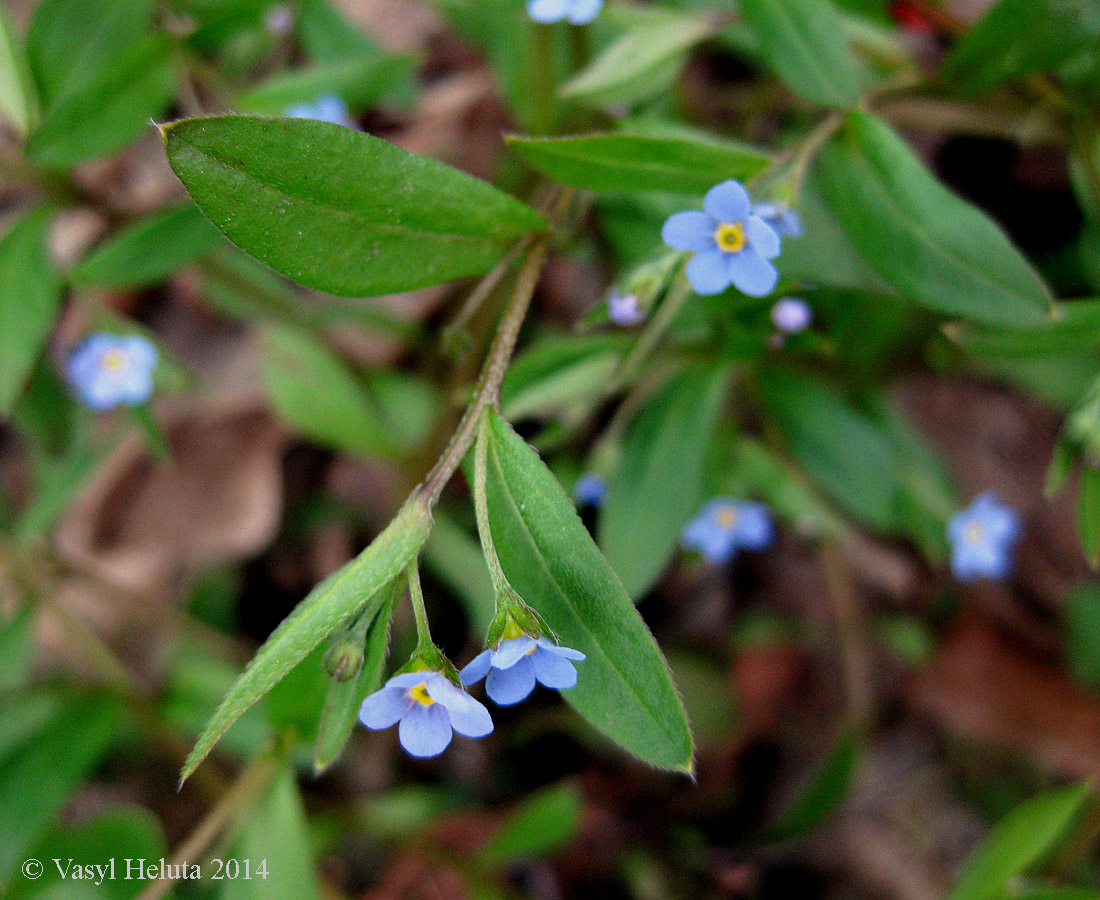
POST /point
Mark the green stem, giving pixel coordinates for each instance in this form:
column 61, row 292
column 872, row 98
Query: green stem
column 423, row 630
column 481, row 510
column 543, row 81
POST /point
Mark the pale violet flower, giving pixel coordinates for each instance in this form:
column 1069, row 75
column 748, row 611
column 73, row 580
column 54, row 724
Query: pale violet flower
column 624, row 309
column 590, row 489
column 279, row 20
column 982, row 538
column 791, row 315
column 109, row 370
column 517, row 663
column 428, row 706
column 724, row 526
column 579, row 12
column 781, row 218
column 327, row 108
column 732, row 245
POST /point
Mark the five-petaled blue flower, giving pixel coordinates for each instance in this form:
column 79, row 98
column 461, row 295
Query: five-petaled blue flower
column 517, row 663
column 327, row 108
column 781, row 218
column 429, row 707
column 579, row 12
column 791, row 315
column 724, row 526
column 732, row 245
column 590, row 489
column 624, row 309
column 109, row 370
column 982, row 537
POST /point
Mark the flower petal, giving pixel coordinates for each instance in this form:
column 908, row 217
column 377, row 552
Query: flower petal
column 708, row 273
column 410, row 679
column 473, row 721
column 727, row 202
column 691, row 230
column 506, row 687
column 754, row 528
column 761, row 237
column 552, row 670
column 783, row 220
column 425, row 730
column 512, row 651
column 567, row 652
column 384, row 708
column 718, row 547
column 750, row 273
column 546, row 11
column 477, row 668
column 581, row 12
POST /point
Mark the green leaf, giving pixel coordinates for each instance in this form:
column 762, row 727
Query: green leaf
column 344, row 698
column 931, row 245
column 30, row 292
column 17, row 97
column 1082, row 622
column 109, row 108
column 839, row 447
column 805, row 41
column 824, row 792
column 329, row 37
column 360, row 81
column 558, row 371
column 627, row 162
column 625, row 689
column 316, row 394
column 657, row 484
column 545, row 821
column 326, row 610
column 1088, row 514
column 1074, row 326
column 373, row 219
column 16, row 648
column 1024, row 837
column 275, row 832
column 149, row 250
column 38, row 777
column 639, row 63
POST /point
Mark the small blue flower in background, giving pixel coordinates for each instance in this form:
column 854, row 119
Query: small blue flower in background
column 791, row 315
column 590, row 489
column 109, row 370
column 724, row 526
column 732, row 245
column 624, row 309
column 579, row 12
column 429, row 707
column 517, row 663
column 780, row 218
column 328, row 108
column 982, row 538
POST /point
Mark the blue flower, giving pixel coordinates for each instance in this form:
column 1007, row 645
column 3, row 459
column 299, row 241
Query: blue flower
column 724, row 526
column 429, row 707
column 109, row 370
column 982, row 538
column 327, row 108
column 780, row 218
column 579, row 12
column 732, row 245
column 590, row 489
column 792, row 315
column 624, row 309
column 517, row 663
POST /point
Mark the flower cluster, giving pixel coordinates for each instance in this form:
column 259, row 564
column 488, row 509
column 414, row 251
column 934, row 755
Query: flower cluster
column 327, row 108
column 724, row 526
column 110, row 370
column 732, row 241
column 578, row 12
column 982, row 538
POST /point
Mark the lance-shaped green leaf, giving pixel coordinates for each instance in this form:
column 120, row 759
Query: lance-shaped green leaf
column 543, row 822
column 639, row 63
column 930, row 244
column 360, row 81
column 806, row 43
column 30, row 291
column 625, row 688
column 629, row 163
column 149, row 250
column 658, row 482
column 328, row 608
column 1075, row 326
column 17, row 96
column 1022, row 838
column 339, row 210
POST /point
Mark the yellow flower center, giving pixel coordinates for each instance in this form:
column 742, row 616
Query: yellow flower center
column 726, row 516
column 113, row 361
column 975, row 533
column 419, row 693
column 730, row 238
